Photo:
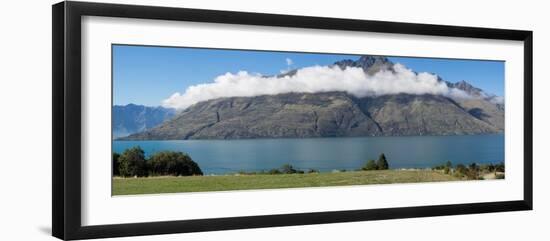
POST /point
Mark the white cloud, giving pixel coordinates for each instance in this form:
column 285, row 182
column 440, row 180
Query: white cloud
column 289, row 61
column 497, row 100
column 315, row 79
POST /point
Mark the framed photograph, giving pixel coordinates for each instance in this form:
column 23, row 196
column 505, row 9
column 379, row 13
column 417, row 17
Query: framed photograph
column 170, row 120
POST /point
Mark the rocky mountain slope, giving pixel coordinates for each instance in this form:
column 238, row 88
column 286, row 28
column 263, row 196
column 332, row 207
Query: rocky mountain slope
column 131, row 118
column 334, row 114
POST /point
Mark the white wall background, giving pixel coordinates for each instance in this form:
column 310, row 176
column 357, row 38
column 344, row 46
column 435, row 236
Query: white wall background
column 25, row 122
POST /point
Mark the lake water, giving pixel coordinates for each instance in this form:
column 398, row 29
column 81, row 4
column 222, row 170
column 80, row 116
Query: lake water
column 327, row 154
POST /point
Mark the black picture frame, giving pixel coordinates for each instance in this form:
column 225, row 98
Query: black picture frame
column 66, row 75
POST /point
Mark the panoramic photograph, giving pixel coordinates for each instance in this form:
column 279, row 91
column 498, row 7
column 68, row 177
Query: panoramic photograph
column 201, row 120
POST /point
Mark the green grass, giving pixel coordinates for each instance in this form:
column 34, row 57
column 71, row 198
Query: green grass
column 130, row 186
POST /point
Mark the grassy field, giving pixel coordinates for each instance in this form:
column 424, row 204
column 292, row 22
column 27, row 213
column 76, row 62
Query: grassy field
column 149, row 185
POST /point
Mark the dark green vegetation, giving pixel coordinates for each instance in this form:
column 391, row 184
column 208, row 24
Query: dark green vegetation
column 128, row 186
column 284, row 169
column 380, row 164
column 155, row 173
column 335, row 114
column 473, row 171
column 132, row 163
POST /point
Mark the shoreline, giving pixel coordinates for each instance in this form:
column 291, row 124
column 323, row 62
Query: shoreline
column 320, row 137
column 486, row 175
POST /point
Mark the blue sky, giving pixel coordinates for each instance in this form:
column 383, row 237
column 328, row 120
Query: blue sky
column 147, row 75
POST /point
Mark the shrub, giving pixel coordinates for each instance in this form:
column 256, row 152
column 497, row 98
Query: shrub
column 288, row 169
column 446, row 168
column 370, row 165
column 473, row 171
column 174, row 163
column 274, row 171
column 382, row 162
column 116, row 164
column 312, row 171
column 499, row 167
column 460, row 170
column 488, row 168
column 132, row 163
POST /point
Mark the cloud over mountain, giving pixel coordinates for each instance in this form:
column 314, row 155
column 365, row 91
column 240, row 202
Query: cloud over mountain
column 353, row 80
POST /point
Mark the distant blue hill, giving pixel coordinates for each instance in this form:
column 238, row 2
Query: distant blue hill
column 131, row 118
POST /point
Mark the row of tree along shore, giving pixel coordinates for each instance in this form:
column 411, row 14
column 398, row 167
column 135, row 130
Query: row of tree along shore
column 473, row 171
column 133, row 163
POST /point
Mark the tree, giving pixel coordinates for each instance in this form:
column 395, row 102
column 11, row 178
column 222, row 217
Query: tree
column 499, row 167
column 473, row 171
column 382, row 162
column 461, row 170
column 116, row 164
column 288, row 169
column 132, row 163
column 173, row 163
column 447, row 168
column 370, row 165
column 488, row 168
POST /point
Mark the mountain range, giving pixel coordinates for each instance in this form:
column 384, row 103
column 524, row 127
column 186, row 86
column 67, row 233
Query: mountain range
column 330, row 114
column 132, row 118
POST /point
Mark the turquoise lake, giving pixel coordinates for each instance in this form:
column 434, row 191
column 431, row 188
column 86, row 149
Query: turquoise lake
column 327, row 154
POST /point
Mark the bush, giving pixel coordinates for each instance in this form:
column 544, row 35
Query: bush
column 132, row 163
column 369, row 166
column 487, row 168
column 174, row 164
column 382, row 162
column 499, row 167
column 473, row 171
column 312, row 171
column 460, row 170
column 288, row 169
column 447, row 167
column 116, row 164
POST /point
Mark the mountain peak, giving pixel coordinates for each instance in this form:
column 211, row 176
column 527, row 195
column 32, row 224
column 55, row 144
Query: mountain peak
column 466, row 87
column 463, row 83
column 369, row 60
column 369, row 63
